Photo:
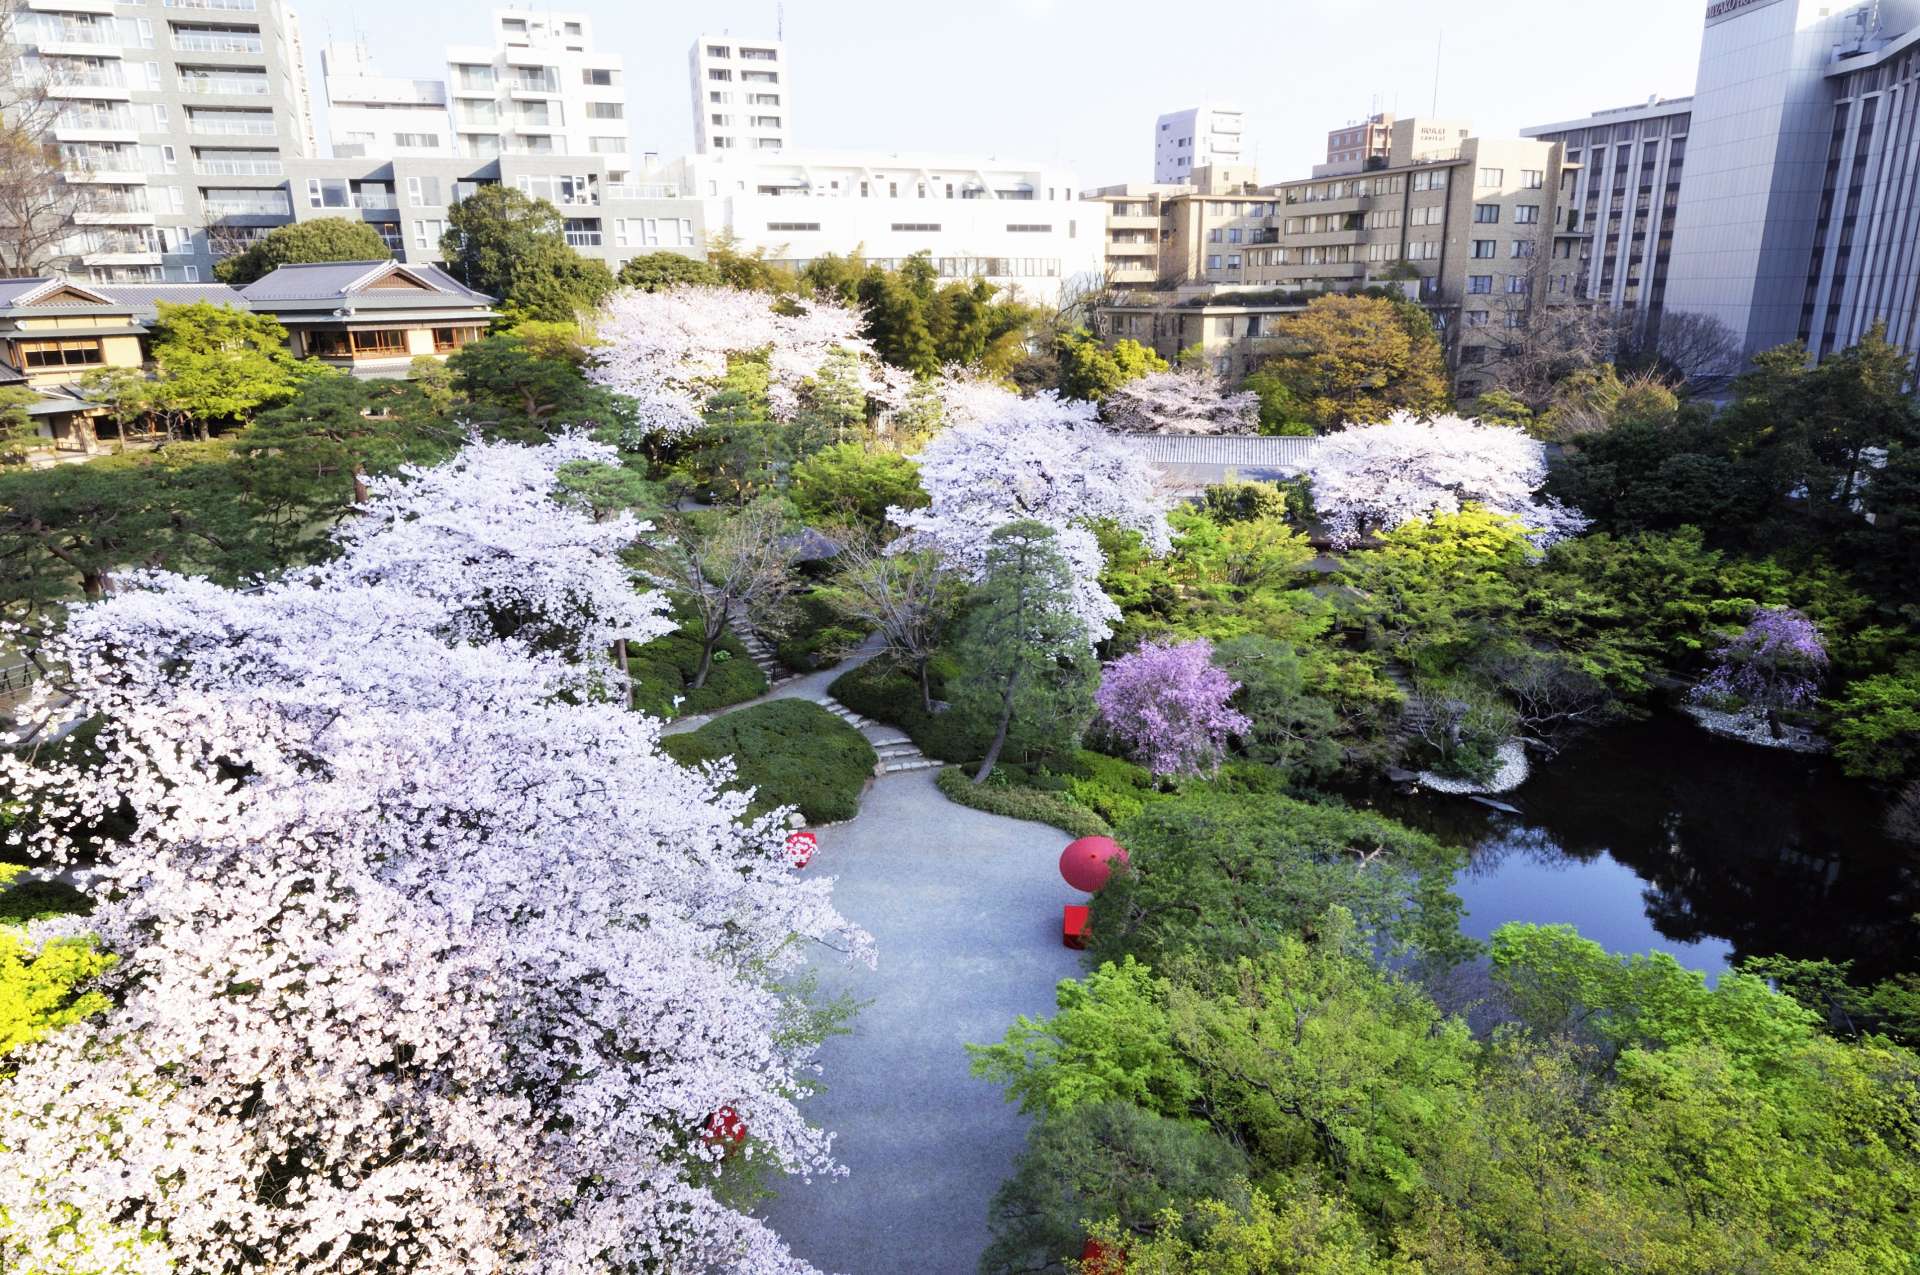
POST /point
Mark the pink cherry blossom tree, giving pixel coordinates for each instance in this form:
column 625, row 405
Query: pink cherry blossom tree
column 1774, row 665
column 665, row 350
column 1006, row 459
column 1369, row 478
column 428, row 958
column 1180, row 401
column 1170, row 707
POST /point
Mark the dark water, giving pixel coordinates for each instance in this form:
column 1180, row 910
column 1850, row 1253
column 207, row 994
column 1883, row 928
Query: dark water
column 1660, row 836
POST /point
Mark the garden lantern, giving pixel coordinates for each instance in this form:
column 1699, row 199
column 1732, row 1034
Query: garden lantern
column 1088, row 863
column 801, row 847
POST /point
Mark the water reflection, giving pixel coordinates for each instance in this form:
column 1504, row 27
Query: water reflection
column 1658, row 835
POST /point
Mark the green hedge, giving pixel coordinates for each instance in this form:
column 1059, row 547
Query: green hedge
column 663, row 668
column 37, row 899
column 791, row 752
column 817, row 634
column 1021, row 802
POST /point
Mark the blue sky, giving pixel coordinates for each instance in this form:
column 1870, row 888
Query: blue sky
column 1080, row 81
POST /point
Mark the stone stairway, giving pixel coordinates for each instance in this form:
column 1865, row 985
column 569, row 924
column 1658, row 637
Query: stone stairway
column 898, row 754
column 760, row 653
column 1414, row 717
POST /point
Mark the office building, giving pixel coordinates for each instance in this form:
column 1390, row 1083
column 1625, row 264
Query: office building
column 1620, row 201
column 1358, row 144
column 1198, row 137
column 608, row 216
column 540, row 89
column 1020, row 226
column 375, row 115
column 1780, row 198
column 742, row 95
column 176, row 124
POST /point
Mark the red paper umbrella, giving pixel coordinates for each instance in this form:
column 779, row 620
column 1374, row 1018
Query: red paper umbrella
column 725, row 1128
column 800, row 849
column 1088, row 862
column 1096, row 1259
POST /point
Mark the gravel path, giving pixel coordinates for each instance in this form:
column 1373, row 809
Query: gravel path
column 965, row 907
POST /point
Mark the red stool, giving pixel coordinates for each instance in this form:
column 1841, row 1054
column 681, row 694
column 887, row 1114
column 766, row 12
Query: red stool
column 1074, row 925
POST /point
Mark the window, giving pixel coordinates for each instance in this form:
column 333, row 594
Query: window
column 1519, row 284
column 1479, row 284
column 597, row 79
column 794, row 225
column 1522, row 248
column 1233, row 261
column 606, row 111
column 1493, row 177
column 427, row 232
column 1213, row 262
column 328, row 192
column 714, row 73
column 916, row 227
column 719, row 51
column 417, row 141
column 1216, row 235
column 379, row 344
column 1516, row 319
column 447, row 340
column 1534, row 179
column 1526, row 214
column 1486, row 214
column 1485, row 248
column 1475, row 318
column 1033, row 229
column 60, row 353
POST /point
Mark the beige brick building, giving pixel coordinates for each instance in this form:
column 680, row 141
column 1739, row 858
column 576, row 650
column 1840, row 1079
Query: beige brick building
column 1466, row 225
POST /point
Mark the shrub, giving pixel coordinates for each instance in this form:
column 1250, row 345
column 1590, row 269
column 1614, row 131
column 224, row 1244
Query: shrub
column 1115, row 790
column 791, row 753
column 817, row 636
column 663, row 668
column 885, row 693
column 37, row 899
column 1021, row 802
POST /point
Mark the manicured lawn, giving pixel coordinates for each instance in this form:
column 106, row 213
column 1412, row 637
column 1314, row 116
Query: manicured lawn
column 791, row 753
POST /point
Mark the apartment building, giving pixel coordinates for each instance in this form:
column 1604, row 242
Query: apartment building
column 539, row 89
column 177, row 120
column 742, row 95
column 370, row 114
column 1198, row 137
column 1138, row 221
column 1022, row 227
column 609, row 217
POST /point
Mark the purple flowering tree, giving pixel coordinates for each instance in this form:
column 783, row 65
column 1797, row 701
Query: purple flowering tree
column 1776, row 663
column 1168, row 705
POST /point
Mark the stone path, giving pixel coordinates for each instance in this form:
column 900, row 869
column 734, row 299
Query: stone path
column 965, row 908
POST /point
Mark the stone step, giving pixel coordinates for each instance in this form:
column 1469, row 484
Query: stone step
column 922, row 763
column 905, row 748
column 885, row 736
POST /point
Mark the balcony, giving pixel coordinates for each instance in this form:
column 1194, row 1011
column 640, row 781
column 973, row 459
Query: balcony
column 239, row 127
column 230, row 207
column 1130, row 274
column 228, row 6
column 225, row 85
column 240, row 168
column 218, row 42
column 1133, row 222
column 655, row 190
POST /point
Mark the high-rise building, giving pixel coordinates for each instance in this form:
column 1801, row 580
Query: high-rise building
column 540, row 89
column 177, row 118
column 1620, row 201
column 1198, row 137
column 375, row 115
column 1780, row 200
column 742, row 95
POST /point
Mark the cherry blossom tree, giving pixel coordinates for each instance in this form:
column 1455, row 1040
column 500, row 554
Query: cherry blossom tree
column 1180, row 401
column 1007, row 459
column 1369, row 478
column 665, row 349
column 428, row 959
column 1170, row 706
column 1774, row 665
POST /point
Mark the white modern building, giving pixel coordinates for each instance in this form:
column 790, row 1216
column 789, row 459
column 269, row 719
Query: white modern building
column 540, row 89
column 1020, row 226
column 371, row 115
column 1199, row 137
column 742, row 95
column 177, row 121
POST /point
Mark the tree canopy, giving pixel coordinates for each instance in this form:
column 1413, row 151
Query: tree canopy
column 325, row 239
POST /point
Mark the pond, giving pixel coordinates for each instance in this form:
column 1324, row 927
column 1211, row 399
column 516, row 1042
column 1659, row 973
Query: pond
column 1659, row 836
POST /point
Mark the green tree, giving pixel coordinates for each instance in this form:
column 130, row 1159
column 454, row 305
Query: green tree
column 219, row 364
column 659, row 271
column 852, row 481
column 1306, row 1233
column 1281, row 413
column 1876, row 724
column 1294, row 728
column 1027, row 660
column 505, row 243
column 1092, row 370
column 18, row 432
column 509, row 389
column 325, row 239
column 43, row 985
column 1357, row 360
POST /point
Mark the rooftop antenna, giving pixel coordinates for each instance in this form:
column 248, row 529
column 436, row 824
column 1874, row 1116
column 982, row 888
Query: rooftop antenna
column 1439, row 45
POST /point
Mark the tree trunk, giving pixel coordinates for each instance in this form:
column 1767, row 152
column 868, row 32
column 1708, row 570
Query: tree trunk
column 715, row 630
column 926, row 684
column 1000, row 735
column 359, row 484
column 1773, row 723
column 626, row 670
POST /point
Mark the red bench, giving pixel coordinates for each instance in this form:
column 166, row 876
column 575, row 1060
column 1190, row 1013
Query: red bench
column 1073, row 925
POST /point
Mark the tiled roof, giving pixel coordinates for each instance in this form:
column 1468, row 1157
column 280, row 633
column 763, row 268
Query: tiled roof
column 145, row 296
column 331, row 280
